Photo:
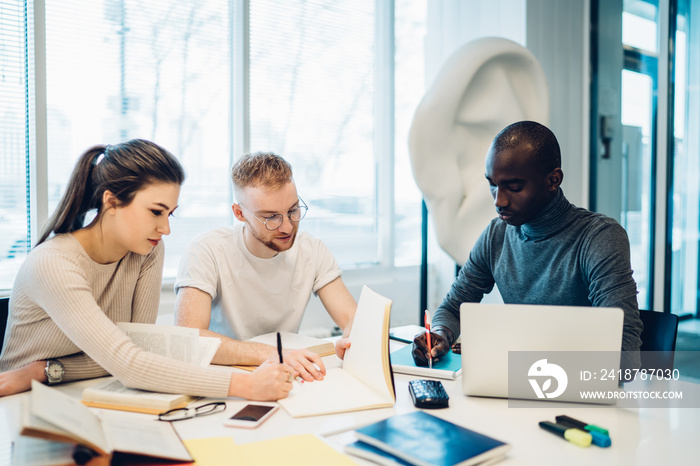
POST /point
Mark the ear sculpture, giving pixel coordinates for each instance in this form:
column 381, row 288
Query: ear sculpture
column 483, row 87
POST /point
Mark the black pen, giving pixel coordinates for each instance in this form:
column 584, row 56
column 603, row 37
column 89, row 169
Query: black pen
column 279, row 346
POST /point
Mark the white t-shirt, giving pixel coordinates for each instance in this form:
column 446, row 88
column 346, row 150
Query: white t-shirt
column 252, row 296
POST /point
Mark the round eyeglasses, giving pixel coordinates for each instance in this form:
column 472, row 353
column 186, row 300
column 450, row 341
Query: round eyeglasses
column 273, row 222
column 180, row 414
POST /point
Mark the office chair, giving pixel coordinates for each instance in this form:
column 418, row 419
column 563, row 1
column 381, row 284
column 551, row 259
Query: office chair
column 4, row 311
column 658, row 339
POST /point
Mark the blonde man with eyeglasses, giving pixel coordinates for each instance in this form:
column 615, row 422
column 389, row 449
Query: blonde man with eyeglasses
column 257, row 276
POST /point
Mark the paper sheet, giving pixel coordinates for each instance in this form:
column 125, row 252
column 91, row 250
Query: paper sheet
column 215, row 451
column 294, row 450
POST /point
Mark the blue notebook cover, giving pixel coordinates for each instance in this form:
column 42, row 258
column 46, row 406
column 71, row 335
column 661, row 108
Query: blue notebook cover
column 447, row 367
column 425, row 440
column 372, row 453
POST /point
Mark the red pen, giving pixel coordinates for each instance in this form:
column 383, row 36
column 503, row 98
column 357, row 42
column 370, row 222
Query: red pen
column 427, row 337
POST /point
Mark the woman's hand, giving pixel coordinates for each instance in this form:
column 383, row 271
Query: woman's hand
column 269, row 382
column 20, row 380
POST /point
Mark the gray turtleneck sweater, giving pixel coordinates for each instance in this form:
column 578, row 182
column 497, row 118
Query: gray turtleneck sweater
column 566, row 255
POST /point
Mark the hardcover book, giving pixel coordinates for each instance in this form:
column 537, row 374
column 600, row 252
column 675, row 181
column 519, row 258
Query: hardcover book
column 422, row 439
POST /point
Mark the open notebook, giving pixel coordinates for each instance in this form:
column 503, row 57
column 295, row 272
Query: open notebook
column 365, row 381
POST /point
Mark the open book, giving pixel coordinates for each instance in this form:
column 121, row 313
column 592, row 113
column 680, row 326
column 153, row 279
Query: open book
column 53, row 415
column 112, row 394
column 293, row 341
column 181, row 343
column 365, row 381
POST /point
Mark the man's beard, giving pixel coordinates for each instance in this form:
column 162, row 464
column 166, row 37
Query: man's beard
column 271, row 244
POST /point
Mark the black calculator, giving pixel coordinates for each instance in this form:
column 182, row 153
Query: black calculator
column 428, row 394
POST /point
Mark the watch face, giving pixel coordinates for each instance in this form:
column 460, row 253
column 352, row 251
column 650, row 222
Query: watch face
column 55, row 371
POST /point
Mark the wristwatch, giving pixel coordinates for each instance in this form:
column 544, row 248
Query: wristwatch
column 54, row 371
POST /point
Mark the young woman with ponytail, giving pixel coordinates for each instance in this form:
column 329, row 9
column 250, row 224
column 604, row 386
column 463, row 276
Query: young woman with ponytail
column 81, row 279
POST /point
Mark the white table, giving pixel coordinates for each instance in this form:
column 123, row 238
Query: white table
column 640, row 436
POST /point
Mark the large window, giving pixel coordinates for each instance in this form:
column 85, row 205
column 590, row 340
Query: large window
column 315, row 82
column 123, row 69
column 651, row 178
column 312, row 90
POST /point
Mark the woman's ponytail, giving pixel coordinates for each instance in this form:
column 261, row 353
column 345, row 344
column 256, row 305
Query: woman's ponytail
column 76, row 201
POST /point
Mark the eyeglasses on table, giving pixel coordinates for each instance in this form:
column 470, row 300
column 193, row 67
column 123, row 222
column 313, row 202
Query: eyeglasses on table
column 180, row 414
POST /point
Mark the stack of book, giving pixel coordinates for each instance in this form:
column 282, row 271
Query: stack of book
column 421, row 439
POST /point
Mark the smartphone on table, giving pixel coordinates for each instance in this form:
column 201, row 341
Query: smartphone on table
column 251, row 415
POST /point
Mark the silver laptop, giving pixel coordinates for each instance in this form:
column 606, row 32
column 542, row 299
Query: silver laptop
column 535, row 352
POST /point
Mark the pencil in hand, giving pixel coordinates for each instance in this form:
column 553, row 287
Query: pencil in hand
column 427, row 338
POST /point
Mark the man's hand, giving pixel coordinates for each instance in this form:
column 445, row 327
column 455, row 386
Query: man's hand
column 269, row 382
column 305, row 363
column 20, row 380
column 341, row 345
column 439, row 348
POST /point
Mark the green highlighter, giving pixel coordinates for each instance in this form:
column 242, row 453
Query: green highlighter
column 581, row 425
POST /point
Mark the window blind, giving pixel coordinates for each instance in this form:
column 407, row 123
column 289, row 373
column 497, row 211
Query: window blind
column 14, row 232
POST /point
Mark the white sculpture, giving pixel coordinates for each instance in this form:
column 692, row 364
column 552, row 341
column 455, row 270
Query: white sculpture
column 483, row 87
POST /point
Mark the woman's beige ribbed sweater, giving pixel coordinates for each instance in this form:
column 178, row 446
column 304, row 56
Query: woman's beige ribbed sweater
column 64, row 305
